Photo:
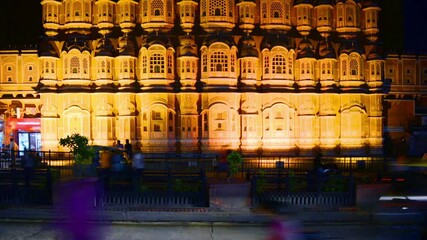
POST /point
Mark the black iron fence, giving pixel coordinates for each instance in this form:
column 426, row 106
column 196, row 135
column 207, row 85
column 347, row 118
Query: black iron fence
column 152, row 189
column 288, row 190
column 20, row 187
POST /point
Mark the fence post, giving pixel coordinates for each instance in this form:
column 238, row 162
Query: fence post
column 254, row 202
column 204, row 188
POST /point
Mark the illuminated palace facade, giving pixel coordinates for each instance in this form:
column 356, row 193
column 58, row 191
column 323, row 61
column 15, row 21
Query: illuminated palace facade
column 277, row 76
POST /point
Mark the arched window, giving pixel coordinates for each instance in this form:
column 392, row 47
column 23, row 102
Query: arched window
column 157, row 63
column 266, row 65
column 278, row 64
column 74, row 65
column 276, row 9
column 354, row 67
column 344, row 67
column 85, row 66
column 157, row 8
column 219, row 62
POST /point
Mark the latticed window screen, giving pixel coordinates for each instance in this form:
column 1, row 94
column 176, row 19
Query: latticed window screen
column 219, row 62
column 264, row 10
column 203, row 7
column 144, row 8
column 169, row 8
column 287, row 11
column 85, row 66
column 47, row 67
column 278, row 64
column 52, row 66
column 354, row 67
column 349, row 15
column 276, row 10
column 157, row 8
column 232, row 62
column 266, row 64
column 187, row 66
column 103, row 66
column 74, row 65
column 125, row 66
column 217, row 8
column 205, row 63
column 290, row 63
column 344, row 67
column 230, row 8
column 157, row 63
column 170, row 62
column 144, row 64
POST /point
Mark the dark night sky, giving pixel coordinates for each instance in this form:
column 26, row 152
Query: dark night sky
column 21, row 23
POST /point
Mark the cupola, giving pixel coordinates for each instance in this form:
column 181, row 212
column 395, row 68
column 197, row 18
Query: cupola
column 302, row 12
column 323, row 17
column 126, row 14
column 50, row 16
column 275, row 15
column 371, row 10
column 103, row 16
column 217, row 15
column 157, row 15
column 246, row 14
column 187, row 14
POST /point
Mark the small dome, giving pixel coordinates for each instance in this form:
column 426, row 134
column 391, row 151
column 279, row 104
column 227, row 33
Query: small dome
column 154, row 38
column 271, row 41
column 376, row 53
column 127, row 47
column 325, row 49
column 75, row 41
column 305, row 49
column 247, row 47
column 104, row 48
column 188, row 47
column 298, row 2
column 323, row 2
column 219, row 37
column 349, row 46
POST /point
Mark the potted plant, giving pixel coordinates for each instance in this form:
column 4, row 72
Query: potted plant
column 234, row 163
column 83, row 153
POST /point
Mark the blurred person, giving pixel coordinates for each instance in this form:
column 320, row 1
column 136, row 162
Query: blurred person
column 13, row 147
column 29, row 164
column 119, row 145
column 284, row 230
column 128, row 148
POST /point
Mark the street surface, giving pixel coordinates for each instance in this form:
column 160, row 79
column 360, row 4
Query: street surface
column 196, row 231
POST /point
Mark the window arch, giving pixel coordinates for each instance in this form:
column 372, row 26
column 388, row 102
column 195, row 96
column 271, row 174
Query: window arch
column 219, row 62
column 157, row 7
column 354, row 67
column 157, row 63
column 266, row 65
column 74, row 65
column 276, row 10
column 278, row 64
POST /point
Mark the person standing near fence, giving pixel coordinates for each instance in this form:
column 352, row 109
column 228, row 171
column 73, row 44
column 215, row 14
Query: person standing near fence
column 128, row 149
column 13, row 148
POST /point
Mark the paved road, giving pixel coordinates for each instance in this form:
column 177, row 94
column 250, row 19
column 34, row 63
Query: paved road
column 196, row 231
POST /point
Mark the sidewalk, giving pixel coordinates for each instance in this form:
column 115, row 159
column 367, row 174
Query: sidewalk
column 182, row 215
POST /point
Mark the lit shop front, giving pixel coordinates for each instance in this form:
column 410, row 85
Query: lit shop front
column 25, row 131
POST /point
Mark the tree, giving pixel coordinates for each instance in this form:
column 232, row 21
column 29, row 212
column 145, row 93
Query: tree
column 78, row 144
column 234, row 163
